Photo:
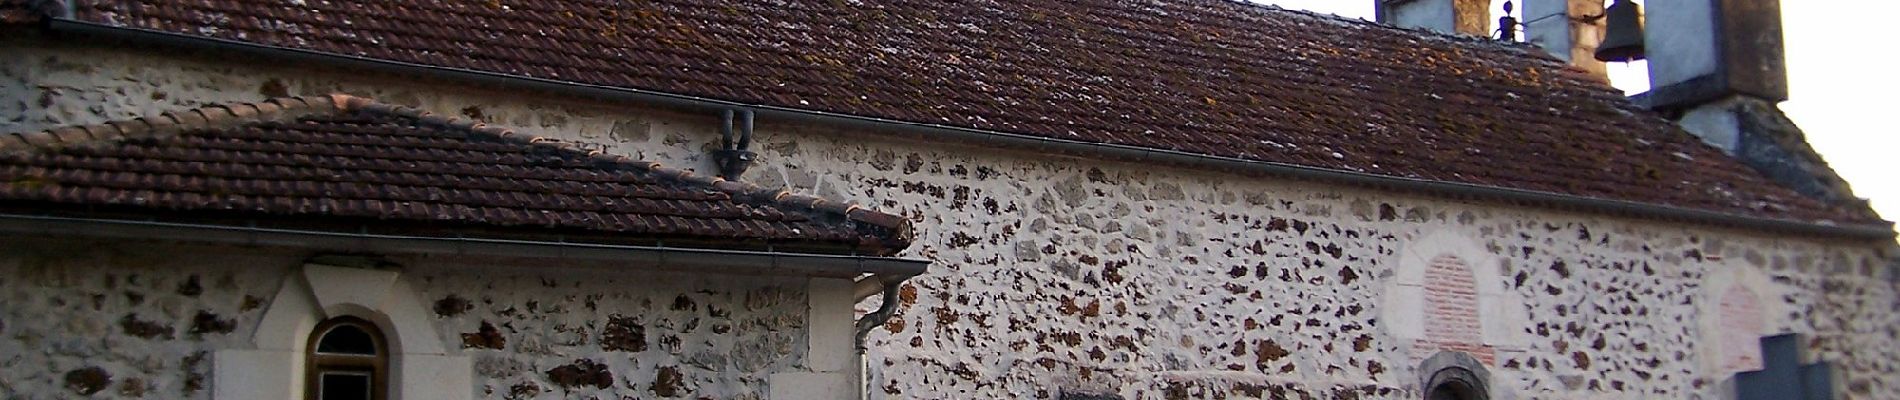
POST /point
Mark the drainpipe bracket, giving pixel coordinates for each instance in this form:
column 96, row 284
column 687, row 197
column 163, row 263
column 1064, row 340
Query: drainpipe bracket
column 733, row 163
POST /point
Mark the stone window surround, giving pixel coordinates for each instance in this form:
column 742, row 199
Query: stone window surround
column 1722, row 279
column 1499, row 310
column 419, row 366
column 1499, row 307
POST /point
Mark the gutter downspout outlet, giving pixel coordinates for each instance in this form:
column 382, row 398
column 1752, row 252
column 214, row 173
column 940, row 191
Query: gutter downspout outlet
column 874, row 284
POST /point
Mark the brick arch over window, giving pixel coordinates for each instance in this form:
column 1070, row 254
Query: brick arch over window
column 1448, row 294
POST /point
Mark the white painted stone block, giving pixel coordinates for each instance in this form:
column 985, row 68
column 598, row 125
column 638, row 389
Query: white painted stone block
column 1405, row 319
column 812, row 386
column 255, row 374
column 335, row 285
column 433, row 377
column 1504, row 316
column 832, row 326
column 412, row 334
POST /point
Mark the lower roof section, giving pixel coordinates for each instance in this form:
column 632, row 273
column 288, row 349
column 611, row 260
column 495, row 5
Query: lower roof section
column 343, row 161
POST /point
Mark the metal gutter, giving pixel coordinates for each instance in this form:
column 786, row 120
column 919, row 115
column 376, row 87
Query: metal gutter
column 666, row 258
column 991, row 138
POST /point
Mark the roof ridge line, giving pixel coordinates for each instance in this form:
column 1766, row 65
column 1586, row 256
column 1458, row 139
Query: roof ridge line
column 850, row 210
column 169, row 123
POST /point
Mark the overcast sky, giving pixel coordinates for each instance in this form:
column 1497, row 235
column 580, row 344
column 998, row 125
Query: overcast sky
column 1838, row 86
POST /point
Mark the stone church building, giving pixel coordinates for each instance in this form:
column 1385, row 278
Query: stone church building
column 1089, row 199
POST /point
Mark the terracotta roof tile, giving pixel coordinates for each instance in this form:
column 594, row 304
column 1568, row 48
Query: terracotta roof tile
column 19, row 12
column 1213, row 77
column 307, row 158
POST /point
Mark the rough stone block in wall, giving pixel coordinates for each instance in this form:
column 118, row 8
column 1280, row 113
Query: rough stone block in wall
column 1147, row 282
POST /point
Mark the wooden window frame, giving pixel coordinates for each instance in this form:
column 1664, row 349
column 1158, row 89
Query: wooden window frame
column 377, row 365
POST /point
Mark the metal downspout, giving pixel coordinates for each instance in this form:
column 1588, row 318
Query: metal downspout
column 884, row 311
column 889, row 287
column 735, row 148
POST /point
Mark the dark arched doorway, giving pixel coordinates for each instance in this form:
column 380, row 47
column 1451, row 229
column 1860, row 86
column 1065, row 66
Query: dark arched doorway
column 1455, row 376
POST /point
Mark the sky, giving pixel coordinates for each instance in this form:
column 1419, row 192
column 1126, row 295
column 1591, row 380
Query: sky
column 1837, row 86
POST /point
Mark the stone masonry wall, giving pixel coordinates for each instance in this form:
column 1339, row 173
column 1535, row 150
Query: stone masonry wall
column 134, row 320
column 1072, row 276
column 544, row 332
column 81, row 319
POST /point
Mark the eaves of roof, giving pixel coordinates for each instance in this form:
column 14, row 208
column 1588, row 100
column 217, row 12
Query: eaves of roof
column 684, row 259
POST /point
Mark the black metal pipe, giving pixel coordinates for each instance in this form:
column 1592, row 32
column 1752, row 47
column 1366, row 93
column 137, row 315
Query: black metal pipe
column 725, row 129
column 745, row 134
column 884, row 311
column 734, row 156
column 1882, row 231
column 891, row 285
column 665, row 258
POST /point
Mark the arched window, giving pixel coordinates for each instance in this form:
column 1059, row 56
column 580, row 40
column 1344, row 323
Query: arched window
column 1452, row 375
column 346, row 360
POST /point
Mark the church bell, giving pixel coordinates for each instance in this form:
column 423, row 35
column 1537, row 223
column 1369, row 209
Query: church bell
column 1623, row 41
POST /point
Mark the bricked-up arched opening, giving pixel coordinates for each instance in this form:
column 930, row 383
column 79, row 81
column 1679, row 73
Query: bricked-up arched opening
column 1452, row 310
column 1741, row 325
column 1737, row 308
column 1448, row 292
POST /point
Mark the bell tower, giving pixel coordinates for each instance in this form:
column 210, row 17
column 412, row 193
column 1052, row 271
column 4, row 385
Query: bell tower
column 1717, row 67
column 1570, row 30
column 1465, row 17
column 1704, row 50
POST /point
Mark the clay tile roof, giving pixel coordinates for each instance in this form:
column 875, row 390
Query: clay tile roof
column 1211, row 77
column 344, row 158
column 18, row 12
